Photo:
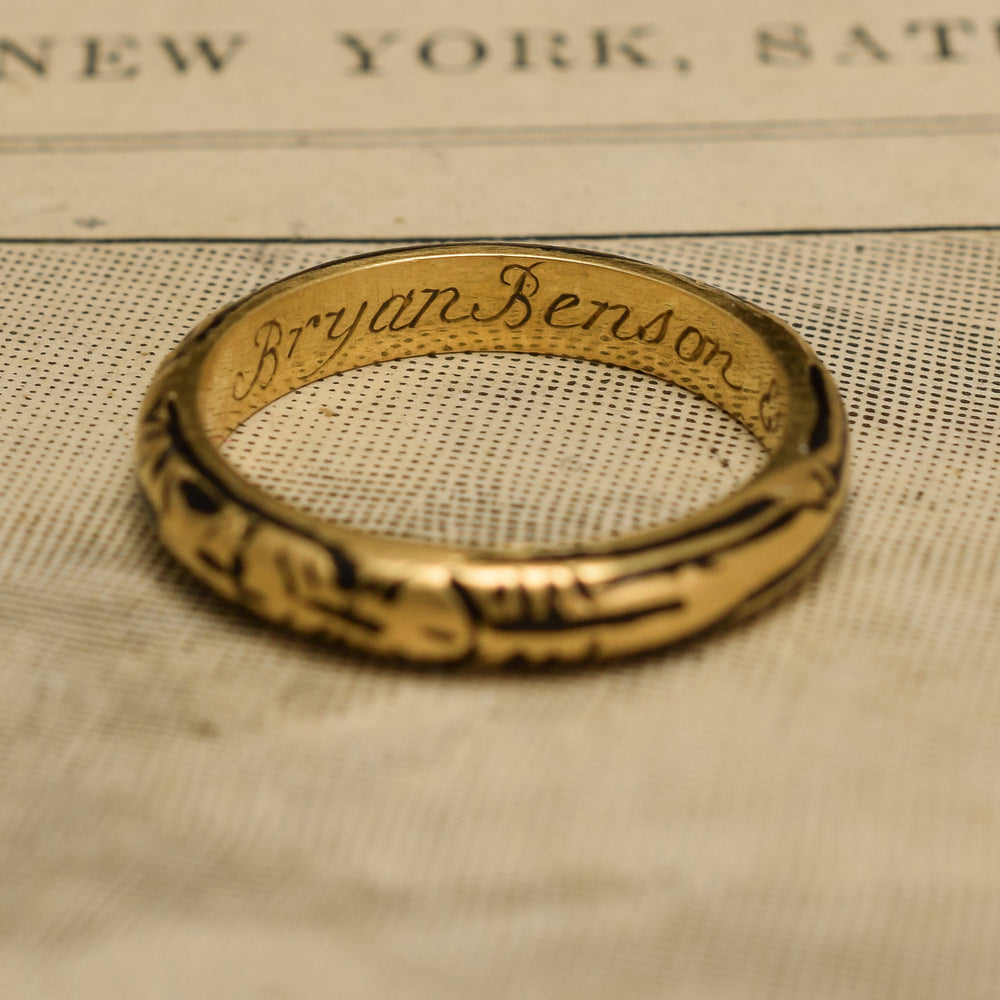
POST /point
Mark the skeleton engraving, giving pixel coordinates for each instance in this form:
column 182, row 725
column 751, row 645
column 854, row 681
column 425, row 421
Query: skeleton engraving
column 331, row 581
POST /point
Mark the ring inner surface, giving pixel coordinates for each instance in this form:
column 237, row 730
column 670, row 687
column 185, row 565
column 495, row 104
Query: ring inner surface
column 345, row 316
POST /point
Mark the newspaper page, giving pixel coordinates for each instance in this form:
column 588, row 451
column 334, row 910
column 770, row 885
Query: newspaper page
column 194, row 803
column 352, row 120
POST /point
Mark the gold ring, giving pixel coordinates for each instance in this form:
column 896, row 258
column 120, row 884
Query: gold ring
column 430, row 602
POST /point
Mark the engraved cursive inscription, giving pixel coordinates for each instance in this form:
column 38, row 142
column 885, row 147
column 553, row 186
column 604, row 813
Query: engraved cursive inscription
column 521, row 299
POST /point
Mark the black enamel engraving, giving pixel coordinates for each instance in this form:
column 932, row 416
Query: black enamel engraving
column 821, row 429
column 554, row 622
column 198, row 499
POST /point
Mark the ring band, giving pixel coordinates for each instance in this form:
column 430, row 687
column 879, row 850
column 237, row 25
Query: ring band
column 431, row 602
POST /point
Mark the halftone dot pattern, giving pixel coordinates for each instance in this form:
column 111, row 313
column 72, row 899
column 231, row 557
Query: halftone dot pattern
column 193, row 803
column 493, row 449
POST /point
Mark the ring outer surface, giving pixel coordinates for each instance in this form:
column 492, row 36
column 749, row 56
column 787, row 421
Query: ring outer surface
column 427, row 602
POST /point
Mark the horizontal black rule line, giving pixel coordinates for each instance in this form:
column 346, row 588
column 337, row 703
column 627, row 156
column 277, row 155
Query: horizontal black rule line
column 763, row 130
column 495, row 237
